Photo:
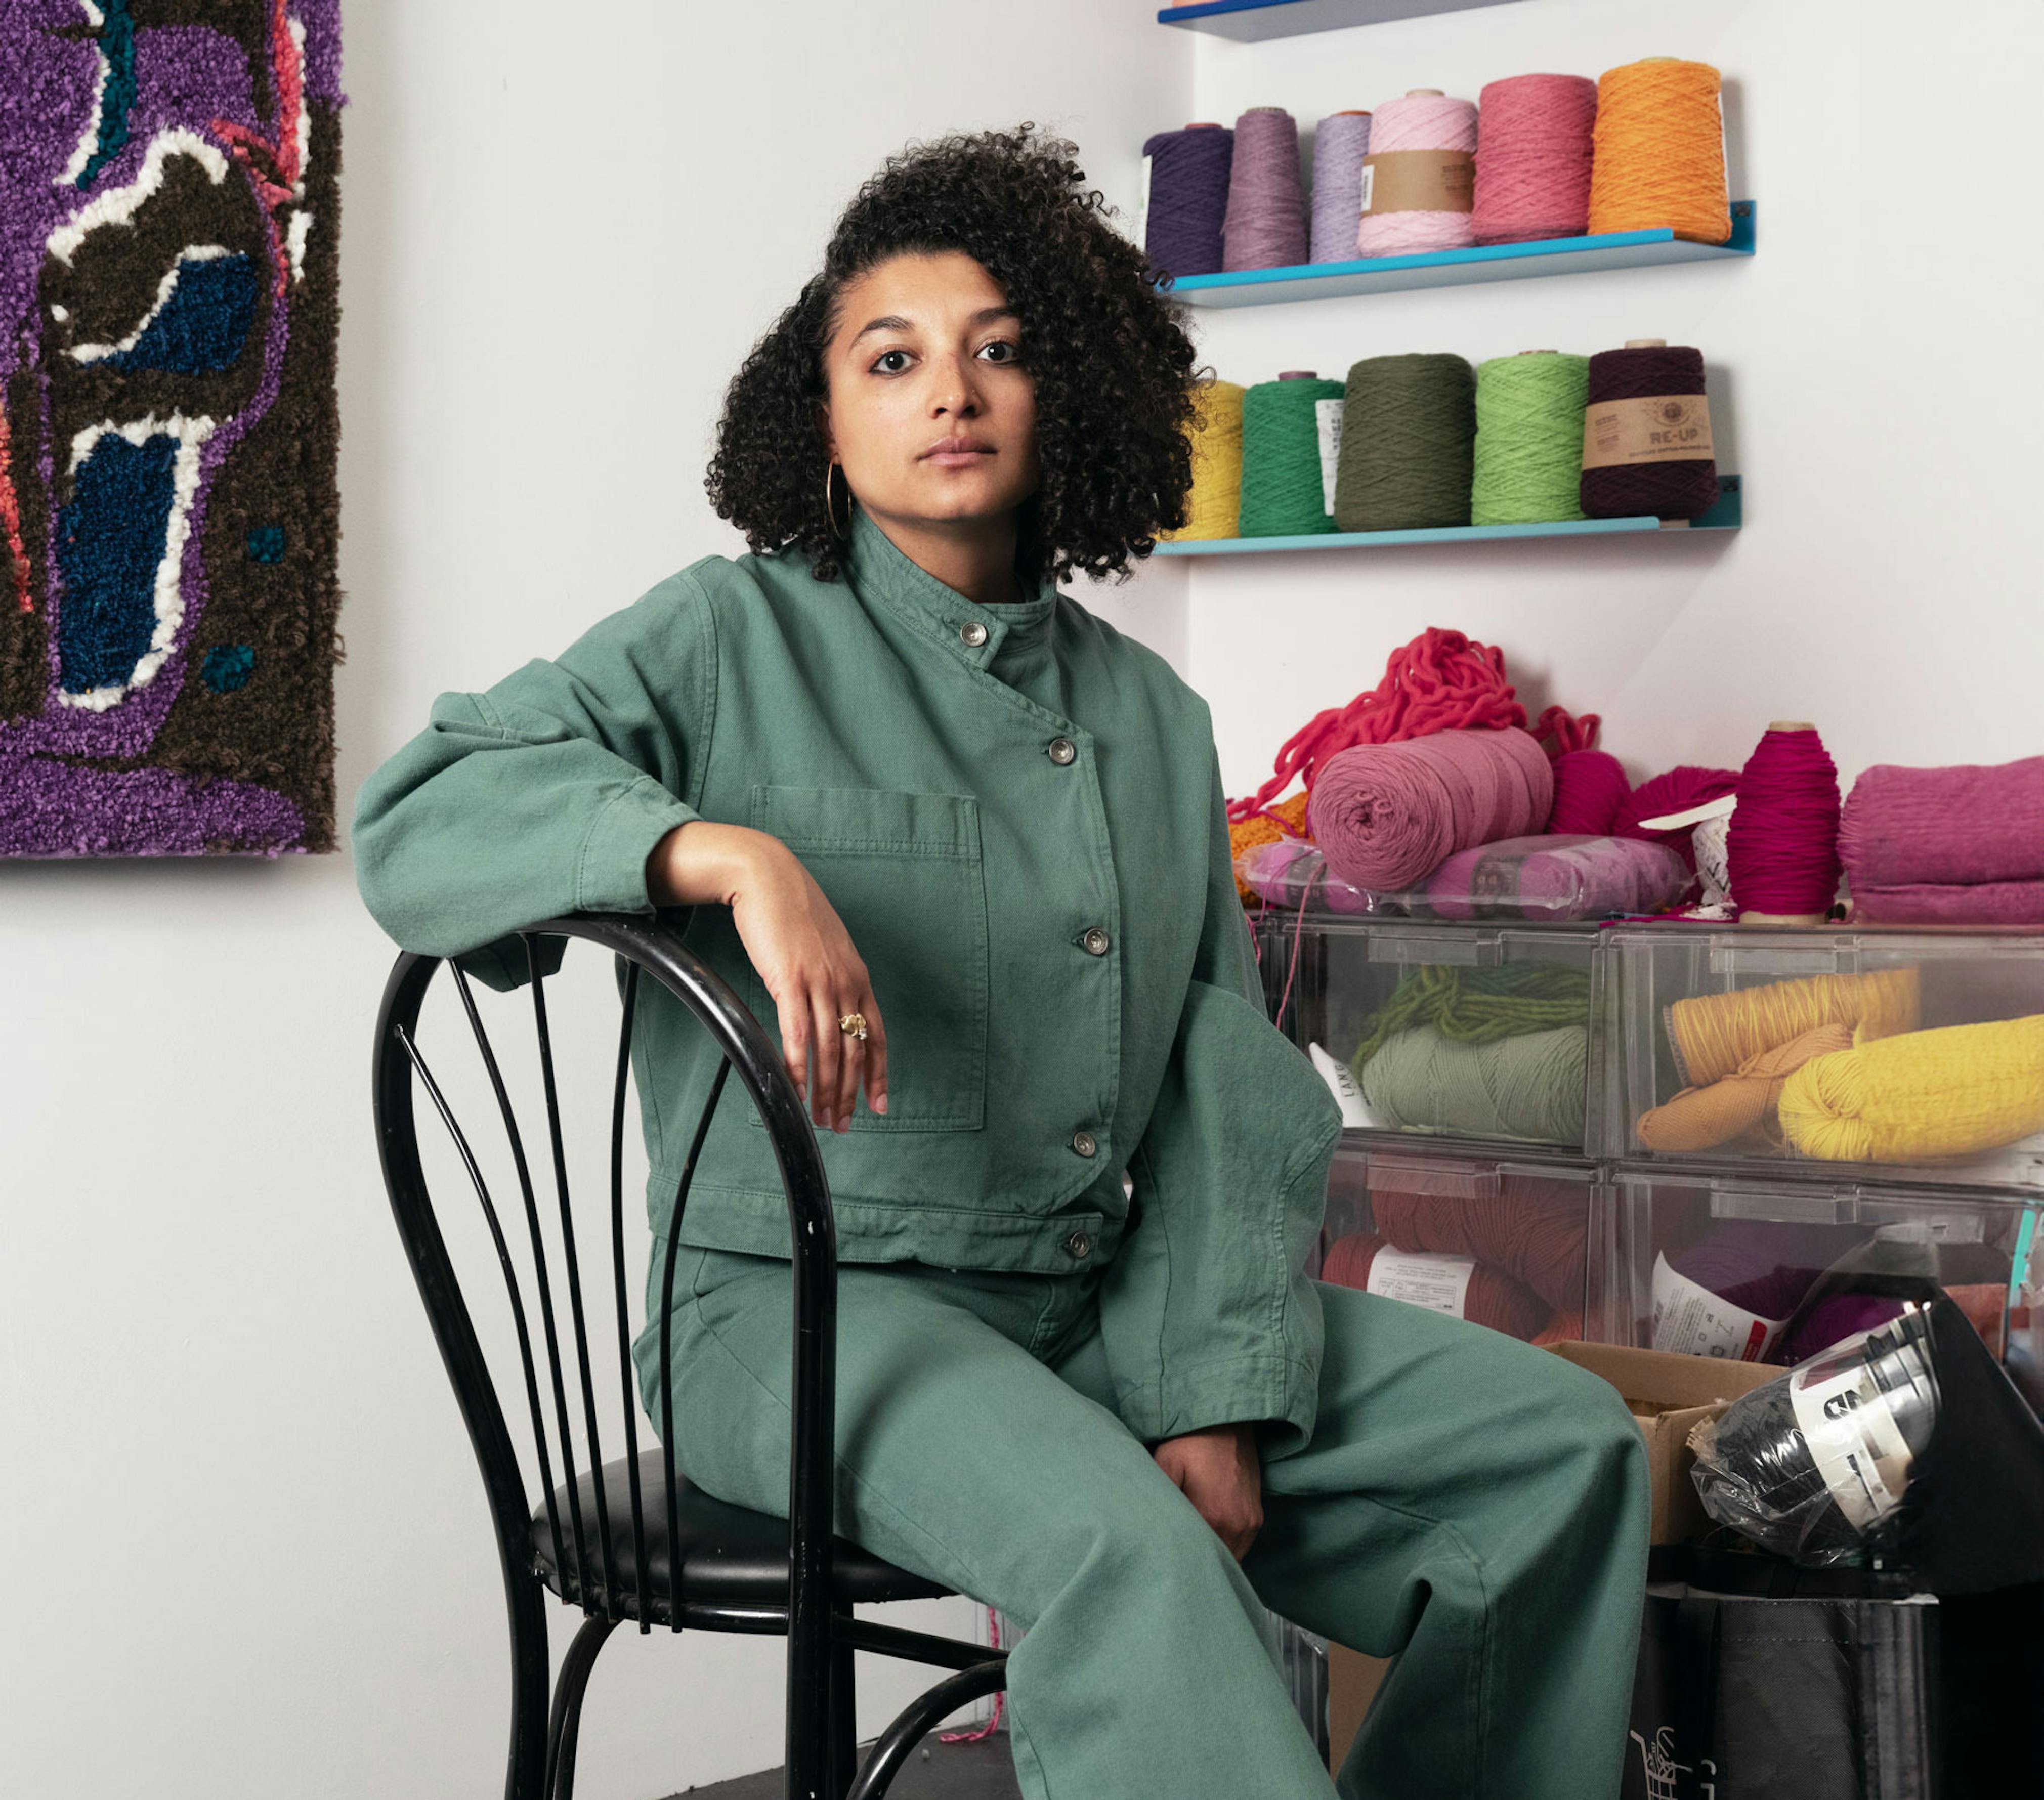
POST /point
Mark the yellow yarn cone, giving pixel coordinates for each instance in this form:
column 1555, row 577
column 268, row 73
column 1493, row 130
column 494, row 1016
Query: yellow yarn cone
column 1922, row 1095
column 1214, row 508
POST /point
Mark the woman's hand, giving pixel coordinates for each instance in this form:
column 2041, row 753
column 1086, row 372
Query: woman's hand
column 1218, row 1469
column 800, row 948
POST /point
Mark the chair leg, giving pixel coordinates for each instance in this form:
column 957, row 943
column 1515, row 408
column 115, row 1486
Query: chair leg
column 843, row 1721
column 567, row 1721
column 525, row 1773
column 891, row 1751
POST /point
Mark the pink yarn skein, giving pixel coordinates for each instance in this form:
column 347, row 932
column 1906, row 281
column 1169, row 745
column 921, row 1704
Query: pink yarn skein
column 1590, row 787
column 1533, row 166
column 1419, row 121
column 1386, row 815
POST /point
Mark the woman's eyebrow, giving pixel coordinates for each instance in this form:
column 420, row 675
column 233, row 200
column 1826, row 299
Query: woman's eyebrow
column 894, row 322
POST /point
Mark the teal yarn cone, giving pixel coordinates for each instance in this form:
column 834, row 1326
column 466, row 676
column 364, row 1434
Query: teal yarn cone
column 1529, row 438
column 1409, row 434
column 1529, row 1088
column 1281, row 492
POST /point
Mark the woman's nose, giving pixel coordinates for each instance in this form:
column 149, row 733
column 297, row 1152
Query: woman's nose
column 956, row 392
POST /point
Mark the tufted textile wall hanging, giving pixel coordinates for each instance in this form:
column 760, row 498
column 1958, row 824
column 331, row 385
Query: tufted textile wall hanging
column 169, row 215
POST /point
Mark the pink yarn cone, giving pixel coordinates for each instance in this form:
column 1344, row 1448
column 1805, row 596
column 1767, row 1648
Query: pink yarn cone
column 1265, row 224
column 1419, row 121
column 1533, row 165
column 1782, row 847
column 1385, row 815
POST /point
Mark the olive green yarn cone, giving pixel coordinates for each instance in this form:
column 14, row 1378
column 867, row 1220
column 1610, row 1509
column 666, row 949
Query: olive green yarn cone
column 1409, row 434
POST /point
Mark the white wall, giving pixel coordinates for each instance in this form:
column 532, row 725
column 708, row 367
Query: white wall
column 249, row 1552
column 1864, row 375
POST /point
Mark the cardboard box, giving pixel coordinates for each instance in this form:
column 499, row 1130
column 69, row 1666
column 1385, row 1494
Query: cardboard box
column 1669, row 1394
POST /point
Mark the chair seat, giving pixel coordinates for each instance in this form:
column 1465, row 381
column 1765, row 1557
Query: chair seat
column 729, row 1555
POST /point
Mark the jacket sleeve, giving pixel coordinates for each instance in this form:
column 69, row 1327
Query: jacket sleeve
column 1205, row 1312
column 546, row 793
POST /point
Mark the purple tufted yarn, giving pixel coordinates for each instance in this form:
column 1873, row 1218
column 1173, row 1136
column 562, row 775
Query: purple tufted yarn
column 1188, row 174
column 1266, row 227
column 1340, row 142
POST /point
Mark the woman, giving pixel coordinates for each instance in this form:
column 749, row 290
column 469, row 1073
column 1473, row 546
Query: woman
column 965, row 844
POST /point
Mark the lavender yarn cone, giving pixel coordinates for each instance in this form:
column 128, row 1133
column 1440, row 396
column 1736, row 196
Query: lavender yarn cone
column 1266, row 227
column 1340, row 142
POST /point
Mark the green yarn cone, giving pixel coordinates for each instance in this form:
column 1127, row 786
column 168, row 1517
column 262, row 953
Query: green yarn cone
column 1408, row 427
column 1529, row 438
column 1282, row 495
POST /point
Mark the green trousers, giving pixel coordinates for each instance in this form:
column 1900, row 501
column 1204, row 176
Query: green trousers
column 1474, row 1507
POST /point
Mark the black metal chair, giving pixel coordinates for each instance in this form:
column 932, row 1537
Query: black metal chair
column 631, row 1538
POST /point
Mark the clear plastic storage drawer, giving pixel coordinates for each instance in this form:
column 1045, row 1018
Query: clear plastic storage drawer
column 1475, row 1033
column 1507, row 1244
column 1720, row 1266
column 1912, row 1056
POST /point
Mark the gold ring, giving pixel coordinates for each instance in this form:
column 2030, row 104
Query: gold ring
column 853, row 1025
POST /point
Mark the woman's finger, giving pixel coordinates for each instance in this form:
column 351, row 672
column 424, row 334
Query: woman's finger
column 876, row 1055
column 830, row 1055
column 794, row 1013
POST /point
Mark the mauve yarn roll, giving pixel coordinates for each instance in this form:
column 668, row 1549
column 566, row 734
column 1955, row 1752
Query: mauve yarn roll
column 1765, row 1266
column 1590, row 787
column 1533, row 157
column 1954, row 826
column 1386, row 815
column 1492, row 1298
column 1979, row 903
column 1189, row 177
column 1555, row 878
column 1340, row 142
column 1680, row 487
column 1266, row 226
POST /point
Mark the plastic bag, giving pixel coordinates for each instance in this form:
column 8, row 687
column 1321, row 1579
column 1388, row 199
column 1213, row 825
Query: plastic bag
column 1814, row 1465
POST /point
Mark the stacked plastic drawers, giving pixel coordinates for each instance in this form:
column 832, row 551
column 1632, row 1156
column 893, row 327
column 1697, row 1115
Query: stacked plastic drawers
column 1726, row 1141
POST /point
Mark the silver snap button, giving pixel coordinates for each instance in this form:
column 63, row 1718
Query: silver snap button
column 973, row 635
column 1083, row 1142
column 1078, row 1245
column 1095, row 942
column 1062, row 750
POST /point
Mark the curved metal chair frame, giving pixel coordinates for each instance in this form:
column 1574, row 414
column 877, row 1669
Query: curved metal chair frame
column 821, row 1752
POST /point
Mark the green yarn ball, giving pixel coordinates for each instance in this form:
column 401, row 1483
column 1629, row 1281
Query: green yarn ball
column 1408, row 430
column 1530, row 1087
column 1282, row 496
column 1529, row 438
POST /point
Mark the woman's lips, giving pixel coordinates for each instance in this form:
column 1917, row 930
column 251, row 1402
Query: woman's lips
column 956, row 459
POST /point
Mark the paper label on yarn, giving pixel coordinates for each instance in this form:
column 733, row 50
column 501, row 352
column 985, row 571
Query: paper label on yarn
column 1418, row 181
column 1422, row 1278
column 1661, row 428
column 1328, row 419
column 1142, row 206
column 1346, row 1090
column 1852, row 1438
column 1692, row 1321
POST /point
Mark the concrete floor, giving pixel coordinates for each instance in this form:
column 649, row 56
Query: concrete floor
column 937, row 1771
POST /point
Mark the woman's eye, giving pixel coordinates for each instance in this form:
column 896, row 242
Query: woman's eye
column 880, row 361
column 1009, row 351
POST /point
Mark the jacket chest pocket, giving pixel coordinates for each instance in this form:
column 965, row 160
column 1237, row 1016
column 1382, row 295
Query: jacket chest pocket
column 904, row 872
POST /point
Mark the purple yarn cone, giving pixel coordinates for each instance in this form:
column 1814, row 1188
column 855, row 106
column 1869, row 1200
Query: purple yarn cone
column 1266, row 227
column 1339, row 145
column 1189, row 173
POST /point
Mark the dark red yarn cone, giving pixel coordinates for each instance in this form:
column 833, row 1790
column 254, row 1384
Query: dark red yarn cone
column 1666, row 490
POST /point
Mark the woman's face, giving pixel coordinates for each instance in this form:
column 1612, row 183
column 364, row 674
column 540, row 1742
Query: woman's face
column 933, row 409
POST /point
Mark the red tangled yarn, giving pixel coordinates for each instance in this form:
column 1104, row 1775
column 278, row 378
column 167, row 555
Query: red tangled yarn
column 1441, row 682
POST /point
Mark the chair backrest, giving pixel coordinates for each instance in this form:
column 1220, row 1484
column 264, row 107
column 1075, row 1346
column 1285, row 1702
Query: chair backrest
column 562, row 1299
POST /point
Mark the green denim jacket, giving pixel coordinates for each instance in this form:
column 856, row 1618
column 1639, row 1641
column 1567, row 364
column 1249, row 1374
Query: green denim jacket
column 1017, row 813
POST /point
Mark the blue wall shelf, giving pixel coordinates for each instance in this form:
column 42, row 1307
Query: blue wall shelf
column 1458, row 268
column 1726, row 516
column 1250, row 22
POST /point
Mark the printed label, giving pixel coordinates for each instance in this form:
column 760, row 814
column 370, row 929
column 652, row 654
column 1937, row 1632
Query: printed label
column 1327, row 416
column 1142, row 206
column 1342, row 1085
column 1692, row 1321
column 1853, row 1437
column 1418, row 181
column 1422, row 1278
column 1662, row 428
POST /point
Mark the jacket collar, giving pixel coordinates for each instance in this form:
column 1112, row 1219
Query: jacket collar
column 879, row 570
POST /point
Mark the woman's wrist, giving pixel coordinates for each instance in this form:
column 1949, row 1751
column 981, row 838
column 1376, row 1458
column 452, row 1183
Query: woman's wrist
column 704, row 861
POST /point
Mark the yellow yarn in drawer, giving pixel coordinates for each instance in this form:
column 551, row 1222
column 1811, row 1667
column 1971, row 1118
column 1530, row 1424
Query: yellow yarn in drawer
column 1714, row 1035
column 1921, row 1096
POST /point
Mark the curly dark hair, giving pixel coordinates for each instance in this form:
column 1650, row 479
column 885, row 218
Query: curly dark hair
column 1112, row 362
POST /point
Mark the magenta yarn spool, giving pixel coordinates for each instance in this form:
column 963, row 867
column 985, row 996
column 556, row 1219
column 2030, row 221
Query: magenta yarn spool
column 1385, row 815
column 1533, row 159
column 1646, row 434
column 1590, row 788
column 1266, row 226
column 1678, row 791
column 1782, row 848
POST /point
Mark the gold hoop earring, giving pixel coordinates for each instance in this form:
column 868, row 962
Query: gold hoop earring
column 830, row 508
